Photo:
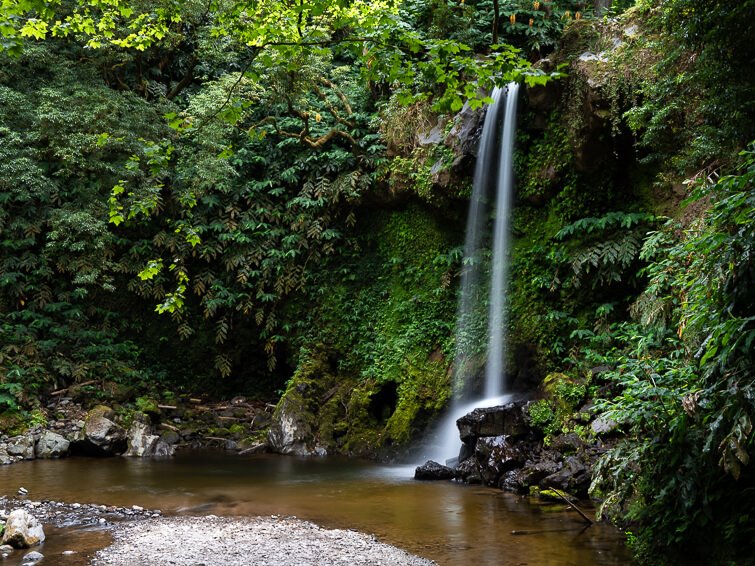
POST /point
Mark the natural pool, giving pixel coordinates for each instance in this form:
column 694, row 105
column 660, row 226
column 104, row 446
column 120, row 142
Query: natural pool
column 450, row 523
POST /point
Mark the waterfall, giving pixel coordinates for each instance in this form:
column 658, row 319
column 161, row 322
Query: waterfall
column 497, row 319
column 498, row 174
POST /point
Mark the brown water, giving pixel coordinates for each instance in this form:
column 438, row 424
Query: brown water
column 450, row 523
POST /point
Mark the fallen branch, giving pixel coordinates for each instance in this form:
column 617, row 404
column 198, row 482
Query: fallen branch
column 573, row 506
column 171, row 427
column 254, row 448
column 61, row 391
column 549, row 531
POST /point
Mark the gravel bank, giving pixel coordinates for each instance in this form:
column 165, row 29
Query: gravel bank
column 220, row 541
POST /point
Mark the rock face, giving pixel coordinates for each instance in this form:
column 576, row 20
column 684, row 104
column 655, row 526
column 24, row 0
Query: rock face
column 22, row 530
column 431, row 470
column 506, row 420
column 100, row 435
column 52, row 445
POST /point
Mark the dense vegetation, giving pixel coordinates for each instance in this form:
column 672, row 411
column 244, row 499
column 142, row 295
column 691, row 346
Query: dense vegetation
column 239, row 198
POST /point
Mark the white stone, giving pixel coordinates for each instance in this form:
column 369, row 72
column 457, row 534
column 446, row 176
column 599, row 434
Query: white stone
column 22, row 530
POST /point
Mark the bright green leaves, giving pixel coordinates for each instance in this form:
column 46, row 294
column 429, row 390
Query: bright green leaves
column 34, row 28
column 142, row 194
column 174, row 301
column 96, row 23
column 151, row 270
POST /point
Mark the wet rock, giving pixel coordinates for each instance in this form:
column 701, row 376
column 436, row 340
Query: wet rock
column 431, row 470
column 163, row 450
column 514, row 481
column 52, row 445
column 141, row 441
column 573, row 477
column 22, row 530
column 100, row 435
column 33, row 556
column 534, row 472
column 469, row 471
column 496, row 456
column 22, row 446
column 505, row 420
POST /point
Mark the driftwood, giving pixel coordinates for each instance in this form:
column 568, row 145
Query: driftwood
column 170, row 407
column 61, row 391
column 171, row 427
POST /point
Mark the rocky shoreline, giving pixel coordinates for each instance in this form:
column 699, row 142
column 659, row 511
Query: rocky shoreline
column 145, row 537
column 68, row 429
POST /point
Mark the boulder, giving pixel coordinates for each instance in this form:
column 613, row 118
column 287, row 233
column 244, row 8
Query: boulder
column 291, row 430
column 52, row 445
column 141, row 442
column 22, row 445
column 504, row 420
column 100, row 435
column 431, row 470
column 5, row 458
column 22, row 530
column 164, row 450
column 469, row 472
column 573, row 477
column 496, row 456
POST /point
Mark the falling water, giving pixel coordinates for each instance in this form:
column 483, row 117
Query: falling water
column 485, row 171
column 497, row 318
column 476, row 223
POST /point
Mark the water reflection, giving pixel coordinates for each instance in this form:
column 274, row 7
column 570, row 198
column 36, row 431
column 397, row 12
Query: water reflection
column 450, row 523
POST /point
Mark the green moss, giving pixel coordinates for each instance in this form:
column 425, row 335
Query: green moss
column 237, row 429
column 424, row 392
column 542, row 416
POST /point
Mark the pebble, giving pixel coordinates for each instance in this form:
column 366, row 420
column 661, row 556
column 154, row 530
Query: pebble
column 22, row 491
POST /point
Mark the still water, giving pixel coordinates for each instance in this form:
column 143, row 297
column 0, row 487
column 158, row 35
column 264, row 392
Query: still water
column 450, row 523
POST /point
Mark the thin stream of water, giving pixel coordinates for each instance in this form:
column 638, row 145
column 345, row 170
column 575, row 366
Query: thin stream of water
column 499, row 272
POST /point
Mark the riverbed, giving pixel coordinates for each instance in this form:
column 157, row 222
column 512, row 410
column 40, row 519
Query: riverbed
column 447, row 522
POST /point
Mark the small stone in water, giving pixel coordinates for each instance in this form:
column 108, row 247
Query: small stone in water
column 75, row 505
column 33, row 556
column 22, row 491
column 69, row 552
column 102, row 521
column 137, row 508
